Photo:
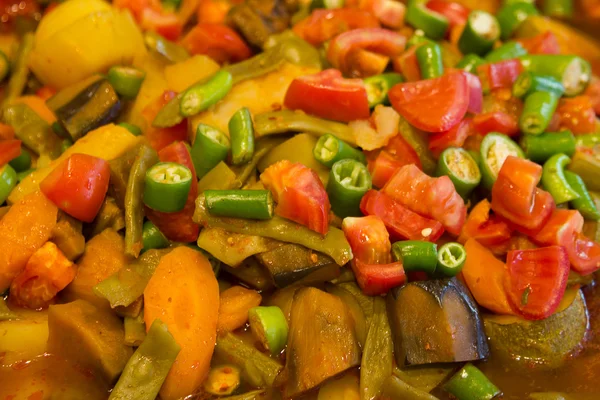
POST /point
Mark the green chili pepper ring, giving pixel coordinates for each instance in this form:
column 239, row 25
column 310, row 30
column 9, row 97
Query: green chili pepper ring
column 451, row 258
column 349, row 180
column 167, row 186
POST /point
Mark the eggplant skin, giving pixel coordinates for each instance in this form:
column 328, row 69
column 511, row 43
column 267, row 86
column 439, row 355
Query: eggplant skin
column 258, row 19
column 436, row 321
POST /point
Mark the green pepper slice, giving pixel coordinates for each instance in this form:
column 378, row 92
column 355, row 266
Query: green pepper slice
column 528, row 82
column 537, row 112
column 429, row 58
column 329, row 150
column 22, row 162
column 126, row 81
column 461, row 168
column 470, row 62
column 572, row 71
column 539, row 148
column 433, row 24
column 251, row 204
column 167, row 186
column 495, row 148
column 210, row 147
column 269, row 326
column 480, row 33
column 348, row 181
column 451, row 258
column 507, row 51
column 512, row 15
column 584, row 204
column 241, row 133
column 201, row 96
column 471, row 384
column 152, row 237
column 554, row 180
column 378, row 87
column 8, row 180
column 416, row 255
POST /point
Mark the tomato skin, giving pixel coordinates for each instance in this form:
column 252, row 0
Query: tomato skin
column 165, row 24
column 497, row 121
column 584, row 254
column 299, row 193
column 368, row 238
column 323, row 25
column 389, row 12
column 455, row 137
column 6, row 132
column 408, row 65
column 9, row 149
column 432, row 105
column 78, row 186
column 484, row 227
column 577, row 114
column 396, row 154
column 46, row 273
column 162, row 137
column 400, row 222
column 218, row 41
column 456, row 13
column 543, row 43
column 434, row 198
column 378, row 279
column 213, row 11
column 516, row 184
column 45, row 92
column 536, row 280
column 502, row 74
column 329, row 95
column 528, row 223
column 178, row 226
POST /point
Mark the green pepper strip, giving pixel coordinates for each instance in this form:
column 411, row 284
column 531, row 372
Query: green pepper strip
column 210, row 147
column 494, row 149
column 507, row 51
column 572, row 71
column 378, row 86
column 416, row 255
column 153, row 238
column 133, row 129
column 329, row 150
column 554, row 180
column 512, row 15
column 171, row 51
column 589, row 140
column 128, row 284
column 348, row 181
column 585, row 204
column 537, row 112
column 480, row 33
column 470, row 62
column 241, row 133
column 269, row 326
column 167, row 186
column 528, row 82
column 134, row 211
column 258, row 369
column 588, row 168
column 251, row 204
column 8, row 180
column 377, row 357
column 148, row 367
column 471, row 384
column 20, row 70
column 451, row 258
column 417, row 38
column 293, row 121
column 429, row 57
column 22, row 162
column 432, row 23
column 334, row 243
column 461, row 168
column 268, row 61
column 558, row 8
column 201, row 96
column 135, row 330
column 126, row 81
column 539, row 148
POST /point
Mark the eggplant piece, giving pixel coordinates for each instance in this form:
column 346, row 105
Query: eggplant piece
column 258, row 19
column 284, row 298
column 83, row 109
column 67, row 236
column 358, row 315
column 321, row 342
column 546, row 342
column 436, row 321
column 252, row 273
column 293, row 263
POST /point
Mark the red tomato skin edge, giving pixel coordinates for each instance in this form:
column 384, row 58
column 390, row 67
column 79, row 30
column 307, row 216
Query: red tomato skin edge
column 378, row 279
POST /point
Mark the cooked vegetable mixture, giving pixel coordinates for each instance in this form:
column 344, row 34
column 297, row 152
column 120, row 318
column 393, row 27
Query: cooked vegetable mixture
column 299, row 199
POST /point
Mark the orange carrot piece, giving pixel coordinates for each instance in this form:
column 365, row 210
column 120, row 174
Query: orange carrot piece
column 235, row 304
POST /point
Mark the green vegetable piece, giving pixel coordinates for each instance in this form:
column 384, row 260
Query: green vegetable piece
column 417, row 38
column 8, row 180
column 572, row 71
column 588, row 168
column 222, row 380
column 201, row 96
column 589, row 140
column 241, row 133
column 378, row 86
column 396, row 388
column 134, row 129
column 480, row 33
column 416, row 255
column 554, row 180
column 134, row 211
column 507, row 51
column 470, row 62
column 20, row 70
column 4, row 66
column 433, row 24
column 252, row 204
column 169, row 50
column 152, row 237
column 261, row 64
column 221, row 177
column 541, row 147
column 329, row 150
column 537, row 112
column 461, row 168
column 558, row 8
column 210, row 147
column 495, row 148
column 429, row 57
column 471, row 384
column 348, row 181
column 126, row 81
column 148, row 367
column 451, row 258
column 584, row 203
column 528, row 82
column 167, row 186
column 169, row 115
column 512, row 15
column 65, row 144
column 22, row 162
column 269, row 326
column 135, row 330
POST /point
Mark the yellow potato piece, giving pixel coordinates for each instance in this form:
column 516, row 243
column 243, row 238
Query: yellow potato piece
column 107, row 142
column 184, row 74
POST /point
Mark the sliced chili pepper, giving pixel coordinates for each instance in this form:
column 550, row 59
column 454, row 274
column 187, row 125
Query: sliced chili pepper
column 348, row 181
column 528, row 82
column 471, row 383
column 584, row 203
column 461, row 168
column 434, row 24
column 543, row 43
column 554, row 180
column 241, row 133
column 455, row 137
column 537, row 112
column 540, row 148
column 484, row 226
column 167, row 186
column 201, row 96
column 501, row 74
column 162, row 137
column 250, row 204
column 268, row 324
column 152, row 237
column 577, row 115
column 126, row 81
column 455, row 12
column 378, row 87
column 429, row 57
column 133, row 129
column 329, row 150
column 22, row 162
column 494, row 150
column 480, row 33
column 572, row 71
column 496, row 121
column 511, row 16
column 451, row 259
column 507, row 51
column 558, row 8
column 8, row 180
column 209, row 148
column 470, row 62
column 416, row 255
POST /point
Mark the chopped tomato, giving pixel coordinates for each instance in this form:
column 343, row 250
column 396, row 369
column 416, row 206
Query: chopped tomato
column 178, row 226
column 323, row 25
column 45, row 92
column 433, row 105
column 455, row 137
column 400, row 148
column 378, row 279
column 536, row 280
column 501, row 74
column 577, row 114
column 329, row 95
column 78, row 186
column 378, row 40
column 161, row 137
column 213, row 11
column 217, row 41
column 400, row 222
column 389, row 12
column 166, row 24
column 456, row 13
column 46, row 273
column 434, row 198
column 543, row 43
column 368, row 238
column 395, row 155
column 408, row 65
column 584, row 254
column 497, row 121
column 299, row 194
column 6, row 132
column 484, row 226
column 9, row 149
column 362, row 63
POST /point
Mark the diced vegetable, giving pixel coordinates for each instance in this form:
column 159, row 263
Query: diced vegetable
column 470, row 383
column 252, row 204
column 126, row 81
column 167, row 186
column 222, row 380
column 235, row 303
column 348, row 181
column 269, row 326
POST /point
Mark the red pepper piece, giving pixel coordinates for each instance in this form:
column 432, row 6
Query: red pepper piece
column 497, row 121
column 9, row 149
column 499, row 75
